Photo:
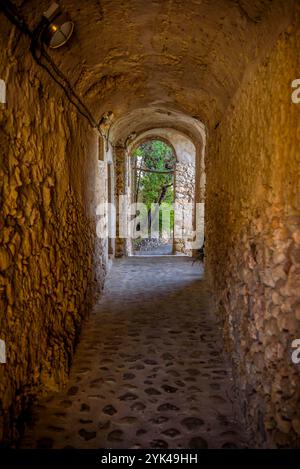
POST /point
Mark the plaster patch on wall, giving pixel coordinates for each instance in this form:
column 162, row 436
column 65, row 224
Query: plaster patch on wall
column 2, row 351
column 2, row 92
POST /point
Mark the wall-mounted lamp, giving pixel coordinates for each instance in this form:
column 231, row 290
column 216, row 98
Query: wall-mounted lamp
column 59, row 28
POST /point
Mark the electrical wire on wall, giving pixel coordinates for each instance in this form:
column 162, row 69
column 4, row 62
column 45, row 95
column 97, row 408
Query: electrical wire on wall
column 43, row 59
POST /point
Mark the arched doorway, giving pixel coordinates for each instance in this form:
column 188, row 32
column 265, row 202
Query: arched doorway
column 189, row 177
column 153, row 165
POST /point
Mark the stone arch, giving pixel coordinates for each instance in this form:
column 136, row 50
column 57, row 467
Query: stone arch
column 184, row 178
column 185, row 134
column 143, row 138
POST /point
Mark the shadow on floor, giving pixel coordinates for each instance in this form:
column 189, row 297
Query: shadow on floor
column 149, row 371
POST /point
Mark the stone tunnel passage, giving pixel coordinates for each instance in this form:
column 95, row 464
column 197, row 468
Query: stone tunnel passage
column 149, row 370
column 220, row 74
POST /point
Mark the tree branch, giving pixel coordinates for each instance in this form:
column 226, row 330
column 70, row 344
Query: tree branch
column 146, row 170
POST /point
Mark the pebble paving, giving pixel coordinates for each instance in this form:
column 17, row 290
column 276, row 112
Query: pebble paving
column 149, row 371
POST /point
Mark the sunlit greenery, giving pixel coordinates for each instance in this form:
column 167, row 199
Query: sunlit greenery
column 155, row 155
column 152, row 187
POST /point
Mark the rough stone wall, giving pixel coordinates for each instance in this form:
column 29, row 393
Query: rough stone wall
column 253, row 240
column 120, row 190
column 184, row 200
column 50, row 260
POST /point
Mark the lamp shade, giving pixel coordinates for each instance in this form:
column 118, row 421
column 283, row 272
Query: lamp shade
column 59, row 31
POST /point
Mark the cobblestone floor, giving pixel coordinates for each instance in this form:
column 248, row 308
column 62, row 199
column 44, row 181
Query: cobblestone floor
column 155, row 249
column 149, row 371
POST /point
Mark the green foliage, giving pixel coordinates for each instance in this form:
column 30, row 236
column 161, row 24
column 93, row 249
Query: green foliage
column 152, row 187
column 155, row 155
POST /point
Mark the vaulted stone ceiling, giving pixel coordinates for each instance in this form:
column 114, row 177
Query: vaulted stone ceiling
column 134, row 123
column 178, row 55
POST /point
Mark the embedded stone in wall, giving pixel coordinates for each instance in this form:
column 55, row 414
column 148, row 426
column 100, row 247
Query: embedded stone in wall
column 50, row 259
column 252, row 242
